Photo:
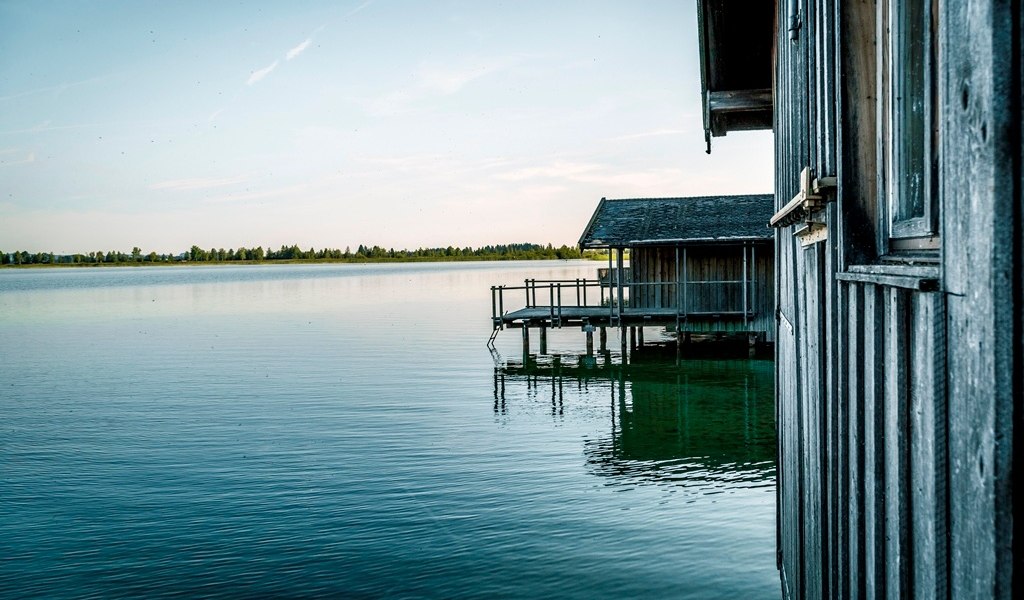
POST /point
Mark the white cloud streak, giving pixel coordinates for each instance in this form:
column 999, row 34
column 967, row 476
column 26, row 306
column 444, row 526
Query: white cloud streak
column 260, row 74
column 358, row 9
column 297, row 50
column 199, row 183
column 650, row 134
column 29, row 158
column 438, row 80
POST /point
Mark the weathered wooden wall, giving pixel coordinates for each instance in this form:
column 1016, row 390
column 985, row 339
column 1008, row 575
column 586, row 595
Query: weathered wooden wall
column 897, row 399
column 981, row 90
column 708, row 263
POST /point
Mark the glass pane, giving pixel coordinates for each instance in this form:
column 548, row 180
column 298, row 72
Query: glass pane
column 910, row 61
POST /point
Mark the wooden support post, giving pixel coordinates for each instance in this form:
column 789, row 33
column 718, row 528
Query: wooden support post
column 604, row 339
column 745, row 320
column 619, row 303
column 752, row 345
column 686, row 276
column 543, row 339
column 632, row 338
column 526, row 342
column 619, row 277
column 640, row 335
column 590, row 341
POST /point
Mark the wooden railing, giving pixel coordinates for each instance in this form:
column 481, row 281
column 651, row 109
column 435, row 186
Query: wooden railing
column 684, row 297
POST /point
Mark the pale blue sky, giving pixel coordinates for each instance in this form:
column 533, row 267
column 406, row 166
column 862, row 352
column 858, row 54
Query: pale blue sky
column 399, row 123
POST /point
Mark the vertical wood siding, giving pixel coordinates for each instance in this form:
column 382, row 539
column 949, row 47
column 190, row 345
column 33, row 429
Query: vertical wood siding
column 896, row 407
column 980, row 88
column 709, row 263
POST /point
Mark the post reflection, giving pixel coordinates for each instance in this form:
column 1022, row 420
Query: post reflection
column 709, row 423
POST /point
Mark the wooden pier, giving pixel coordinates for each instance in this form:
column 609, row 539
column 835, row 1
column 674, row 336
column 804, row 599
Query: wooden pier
column 701, row 265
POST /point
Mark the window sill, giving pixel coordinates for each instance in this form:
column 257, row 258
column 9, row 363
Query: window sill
column 922, row 278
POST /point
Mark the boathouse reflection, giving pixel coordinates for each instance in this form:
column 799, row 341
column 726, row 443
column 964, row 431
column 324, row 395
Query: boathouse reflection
column 702, row 422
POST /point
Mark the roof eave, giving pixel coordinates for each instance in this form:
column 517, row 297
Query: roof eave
column 703, row 240
column 590, row 225
column 728, row 108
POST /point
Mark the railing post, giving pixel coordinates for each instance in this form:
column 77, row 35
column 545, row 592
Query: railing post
column 584, row 291
column 494, row 308
column 559, row 304
column 533, row 287
column 577, row 291
column 551, row 301
column 619, row 277
column 501, row 305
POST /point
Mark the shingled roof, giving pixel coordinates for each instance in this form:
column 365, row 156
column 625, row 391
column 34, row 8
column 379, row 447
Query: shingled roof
column 670, row 221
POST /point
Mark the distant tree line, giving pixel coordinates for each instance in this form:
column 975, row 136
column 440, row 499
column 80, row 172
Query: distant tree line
column 295, row 253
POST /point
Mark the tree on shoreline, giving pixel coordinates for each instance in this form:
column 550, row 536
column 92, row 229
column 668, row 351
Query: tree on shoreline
column 524, row 251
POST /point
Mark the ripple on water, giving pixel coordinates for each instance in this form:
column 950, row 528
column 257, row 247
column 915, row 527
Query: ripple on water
column 304, row 431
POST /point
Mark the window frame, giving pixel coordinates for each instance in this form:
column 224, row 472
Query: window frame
column 895, row 151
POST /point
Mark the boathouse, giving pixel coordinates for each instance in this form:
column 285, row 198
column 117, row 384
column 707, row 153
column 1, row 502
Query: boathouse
column 696, row 265
column 709, row 259
column 899, row 260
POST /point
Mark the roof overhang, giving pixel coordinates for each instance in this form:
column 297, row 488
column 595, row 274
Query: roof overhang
column 710, row 240
column 736, row 38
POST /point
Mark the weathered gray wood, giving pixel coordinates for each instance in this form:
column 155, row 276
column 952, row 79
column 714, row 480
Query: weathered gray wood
column 855, row 410
column 900, row 281
column 811, row 405
column 896, row 454
column 979, row 94
column 928, row 505
column 836, row 424
column 874, row 448
column 921, row 367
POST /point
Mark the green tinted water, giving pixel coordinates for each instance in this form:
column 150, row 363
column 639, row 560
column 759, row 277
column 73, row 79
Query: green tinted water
column 342, row 431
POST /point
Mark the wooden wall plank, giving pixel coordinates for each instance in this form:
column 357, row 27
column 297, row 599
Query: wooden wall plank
column 813, row 419
column 979, row 123
column 855, row 410
column 874, row 448
column 839, row 427
column 896, row 454
column 928, row 503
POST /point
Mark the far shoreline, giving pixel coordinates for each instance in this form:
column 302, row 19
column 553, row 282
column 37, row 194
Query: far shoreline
column 297, row 261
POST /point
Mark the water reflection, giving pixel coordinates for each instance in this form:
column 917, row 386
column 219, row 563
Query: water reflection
column 703, row 424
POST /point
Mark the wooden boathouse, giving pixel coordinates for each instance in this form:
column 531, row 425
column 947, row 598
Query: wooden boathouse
column 697, row 265
column 900, row 284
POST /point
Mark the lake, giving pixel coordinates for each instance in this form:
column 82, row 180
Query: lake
column 342, row 430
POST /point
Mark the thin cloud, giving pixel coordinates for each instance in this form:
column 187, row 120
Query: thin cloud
column 358, row 9
column 648, row 134
column 199, row 183
column 29, row 158
column 438, row 80
column 57, row 89
column 260, row 74
column 299, row 49
column 45, row 126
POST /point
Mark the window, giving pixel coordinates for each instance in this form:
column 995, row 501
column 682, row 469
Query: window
column 907, row 133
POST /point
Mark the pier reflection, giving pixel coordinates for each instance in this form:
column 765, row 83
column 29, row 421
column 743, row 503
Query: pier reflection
column 704, row 423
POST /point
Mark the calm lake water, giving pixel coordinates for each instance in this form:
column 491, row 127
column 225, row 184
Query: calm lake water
column 342, row 430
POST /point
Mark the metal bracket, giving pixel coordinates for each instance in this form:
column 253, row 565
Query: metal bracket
column 812, row 233
column 811, row 198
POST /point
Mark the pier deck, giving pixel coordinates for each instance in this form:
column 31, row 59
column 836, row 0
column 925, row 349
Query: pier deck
column 602, row 316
